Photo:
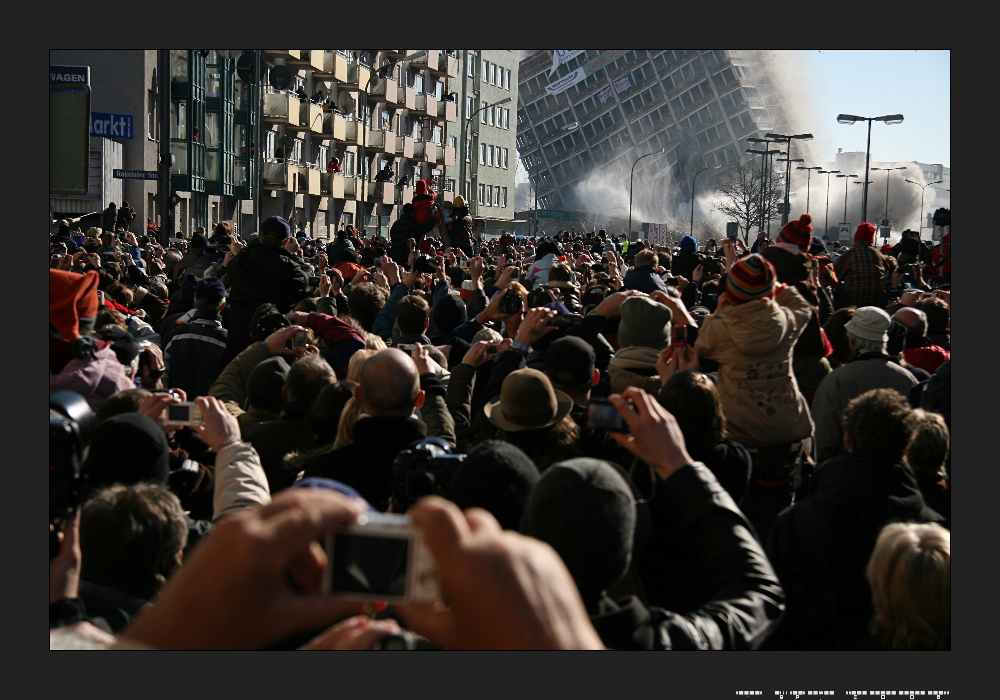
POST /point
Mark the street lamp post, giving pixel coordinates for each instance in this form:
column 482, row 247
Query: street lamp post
column 765, row 179
column 628, row 231
column 850, row 119
column 826, row 223
column 808, row 180
column 465, row 146
column 711, row 167
column 381, row 72
column 922, row 188
column 865, row 184
column 846, row 180
column 572, row 126
column 885, row 218
column 788, row 166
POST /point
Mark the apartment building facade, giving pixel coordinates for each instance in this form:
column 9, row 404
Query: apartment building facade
column 240, row 135
column 486, row 91
column 587, row 117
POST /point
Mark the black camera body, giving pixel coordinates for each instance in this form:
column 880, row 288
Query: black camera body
column 71, row 422
column 424, row 469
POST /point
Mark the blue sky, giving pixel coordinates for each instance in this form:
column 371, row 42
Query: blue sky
column 916, row 84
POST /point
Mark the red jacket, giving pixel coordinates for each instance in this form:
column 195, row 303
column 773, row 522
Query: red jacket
column 423, row 199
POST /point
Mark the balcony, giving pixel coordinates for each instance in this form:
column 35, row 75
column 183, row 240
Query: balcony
column 310, row 117
column 309, row 180
column 309, row 59
column 355, row 133
column 429, row 59
column 445, row 155
column 281, row 108
column 358, row 76
column 286, row 54
column 334, row 126
column 418, row 150
column 427, row 104
column 332, row 185
column 379, row 140
column 404, row 146
column 405, row 194
column 351, row 187
column 447, row 110
column 406, row 97
column 449, row 65
column 278, row 176
column 388, row 192
column 387, row 88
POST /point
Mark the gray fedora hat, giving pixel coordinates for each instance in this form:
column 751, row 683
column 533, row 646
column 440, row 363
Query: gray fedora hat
column 527, row 401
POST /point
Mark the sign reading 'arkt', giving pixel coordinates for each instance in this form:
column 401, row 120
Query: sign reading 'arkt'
column 112, row 126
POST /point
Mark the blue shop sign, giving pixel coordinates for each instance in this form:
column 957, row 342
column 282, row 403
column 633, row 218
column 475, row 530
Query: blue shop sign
column 112, row 126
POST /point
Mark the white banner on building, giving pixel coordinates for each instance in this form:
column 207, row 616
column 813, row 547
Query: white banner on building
column 622, row 84
column 566, row 82
column 605, row 94
column 559, row 57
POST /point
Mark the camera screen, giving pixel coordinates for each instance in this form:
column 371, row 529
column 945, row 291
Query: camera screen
column 605, row 416
column 371, row 565
column 178, row 412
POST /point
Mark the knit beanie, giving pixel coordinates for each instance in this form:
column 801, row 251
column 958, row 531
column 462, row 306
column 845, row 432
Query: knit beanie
column 751, row 277
column 585, row 509
column 265, row 383
column 865, row 232
column 797, row 232
column 498, row 477
column 276, row 228
column 644, row 322
column 870, row 323
column 127, row 449
column 689, row 244
column 72, row 301
column 449, row 312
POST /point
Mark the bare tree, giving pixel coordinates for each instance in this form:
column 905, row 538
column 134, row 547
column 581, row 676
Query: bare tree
column 739, row 198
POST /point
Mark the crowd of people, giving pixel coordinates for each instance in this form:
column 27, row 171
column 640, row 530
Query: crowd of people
column 603, row 444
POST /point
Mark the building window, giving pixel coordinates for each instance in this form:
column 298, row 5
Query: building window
column 489, row 114
column 506, row 119
column 503, row 196
column 470, row 65
column 496, row 195
column 489, row 155
column 483, row 111
column 468, row 150
column 152, row 117
column 493, row 74
column 482, row 194
column 482, row 154
column 486, row 71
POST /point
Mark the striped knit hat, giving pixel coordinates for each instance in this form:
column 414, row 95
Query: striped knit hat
column 797, row 232
column 751, row 277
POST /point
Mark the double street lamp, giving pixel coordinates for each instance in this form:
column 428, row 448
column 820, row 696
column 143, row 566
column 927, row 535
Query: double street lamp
column 826, row 223
column 465, row 155
column 711, row 167
column 788, row 167
column 922, row 189
column 850, row 119
column 847, row 178
column 765, row 180
column 885, row 218
column 808, row 179
column 552, row 136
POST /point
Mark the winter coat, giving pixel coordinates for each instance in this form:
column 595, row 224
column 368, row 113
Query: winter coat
column 403, row 229
column 423, row 200
column 753, row 342
column 460, row 229
column 261, row 273
column 820, row 548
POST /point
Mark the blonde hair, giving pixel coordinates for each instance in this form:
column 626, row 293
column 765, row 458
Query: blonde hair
column 345, row 427
column 910, row 576
column 356, row 362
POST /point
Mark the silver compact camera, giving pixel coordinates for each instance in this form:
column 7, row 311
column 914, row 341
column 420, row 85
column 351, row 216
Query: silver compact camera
column 380, row 557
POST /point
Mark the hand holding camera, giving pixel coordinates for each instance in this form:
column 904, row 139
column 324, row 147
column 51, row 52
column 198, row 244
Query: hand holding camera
column 654, row 435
